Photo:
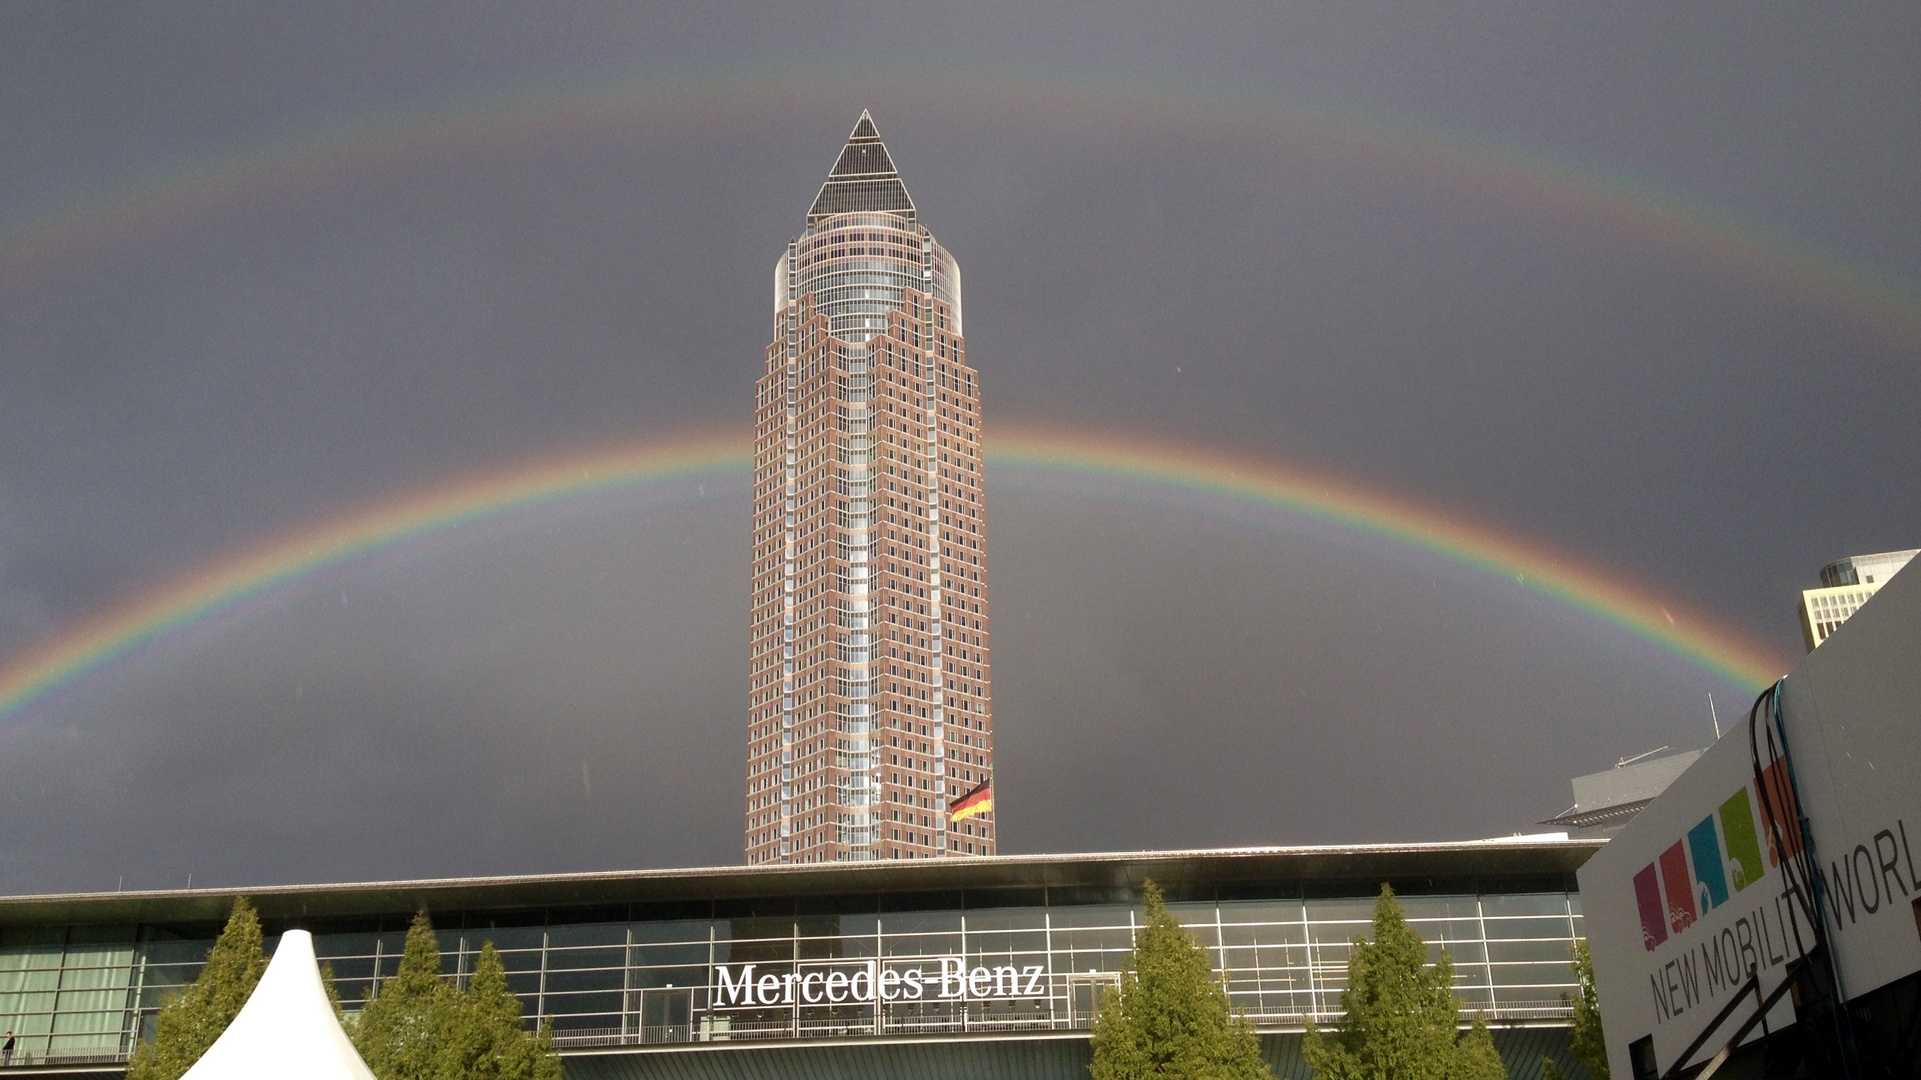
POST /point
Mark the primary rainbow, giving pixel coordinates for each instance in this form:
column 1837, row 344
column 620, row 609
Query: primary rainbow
column 1319, row 496
column 94, row 645
column 1480, row 167
column 1225, row 480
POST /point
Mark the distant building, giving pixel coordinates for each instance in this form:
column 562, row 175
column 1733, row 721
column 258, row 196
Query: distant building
column 870, row 706
column 1846, row 584
column 1605, row 802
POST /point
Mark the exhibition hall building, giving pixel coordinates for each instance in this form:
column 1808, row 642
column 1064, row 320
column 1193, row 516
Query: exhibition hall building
column 988, row 967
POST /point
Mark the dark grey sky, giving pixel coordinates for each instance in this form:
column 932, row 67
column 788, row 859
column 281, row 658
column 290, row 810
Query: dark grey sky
column 1150, row 244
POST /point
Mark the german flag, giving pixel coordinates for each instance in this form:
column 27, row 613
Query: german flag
column 978, row 801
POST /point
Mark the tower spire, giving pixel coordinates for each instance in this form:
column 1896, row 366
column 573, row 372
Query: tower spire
column 863, row 178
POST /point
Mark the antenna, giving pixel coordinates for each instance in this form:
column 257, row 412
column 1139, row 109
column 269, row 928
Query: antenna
column 1715, row 715
column 1637, row 757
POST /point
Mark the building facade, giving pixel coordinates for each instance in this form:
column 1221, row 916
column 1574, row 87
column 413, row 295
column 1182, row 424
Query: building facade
column 1846, row 584
column 956, row 968
column 869, row 705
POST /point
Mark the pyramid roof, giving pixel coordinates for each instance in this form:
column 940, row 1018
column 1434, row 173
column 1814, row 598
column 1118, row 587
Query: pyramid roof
column 863, row 178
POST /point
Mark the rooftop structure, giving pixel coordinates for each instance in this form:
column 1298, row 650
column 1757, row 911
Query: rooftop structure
column 1606, row 801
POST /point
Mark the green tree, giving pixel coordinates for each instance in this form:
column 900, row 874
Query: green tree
column 486, row 1040
column 333, row 993
column 401, row 1026
column 1474, row 1055
column 1590, row 1049
column 190, row 1021
column 420, row 1026
column 1170, row 1018
column 1400, row 1018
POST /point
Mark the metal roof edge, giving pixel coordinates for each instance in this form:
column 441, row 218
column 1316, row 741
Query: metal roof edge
column 587, row 888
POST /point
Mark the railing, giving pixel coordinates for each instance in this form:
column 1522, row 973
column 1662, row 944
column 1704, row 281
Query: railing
column 45, row 1059
column 1515, row 1012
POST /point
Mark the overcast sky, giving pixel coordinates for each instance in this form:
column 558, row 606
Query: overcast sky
column 1637, row 283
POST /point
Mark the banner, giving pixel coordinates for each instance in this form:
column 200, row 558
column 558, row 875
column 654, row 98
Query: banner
column 1702, row 888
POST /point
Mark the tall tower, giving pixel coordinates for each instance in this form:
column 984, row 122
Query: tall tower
column 869, row 710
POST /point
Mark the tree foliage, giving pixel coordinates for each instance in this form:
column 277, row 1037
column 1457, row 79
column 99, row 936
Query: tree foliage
column 1474, row 1055
column 486, row 1039
column 1590, row 1049
column 420, row 1026
column 190, row 1021
column 401, row 1025
column 1170, row 1018
column 1401, row 1020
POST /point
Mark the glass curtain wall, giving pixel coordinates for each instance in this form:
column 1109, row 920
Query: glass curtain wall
column 649, row 976
column 68, row 995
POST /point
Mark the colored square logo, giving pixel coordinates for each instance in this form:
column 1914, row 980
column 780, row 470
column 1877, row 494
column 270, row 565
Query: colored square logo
column 1744, row 846
column 1780, row 815
column 1647, row 897
column 1675, row 878
column 1710, row 876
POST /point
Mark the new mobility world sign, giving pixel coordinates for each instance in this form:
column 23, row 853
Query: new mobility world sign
column 1689, row 901
column 1714, row 879
column 942, row 978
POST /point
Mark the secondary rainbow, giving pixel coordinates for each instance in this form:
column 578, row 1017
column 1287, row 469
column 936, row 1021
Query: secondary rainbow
column 620, row 103
column 1222, row 479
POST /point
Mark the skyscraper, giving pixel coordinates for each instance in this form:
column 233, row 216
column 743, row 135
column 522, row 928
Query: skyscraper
column 869, row 708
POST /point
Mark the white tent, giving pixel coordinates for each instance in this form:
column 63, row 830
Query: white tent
column 287, row 1028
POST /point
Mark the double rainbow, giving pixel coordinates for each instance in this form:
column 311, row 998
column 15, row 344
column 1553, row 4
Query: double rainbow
column 1220, row 480
column 619, row 104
